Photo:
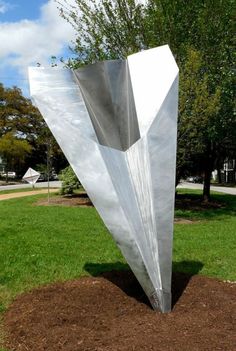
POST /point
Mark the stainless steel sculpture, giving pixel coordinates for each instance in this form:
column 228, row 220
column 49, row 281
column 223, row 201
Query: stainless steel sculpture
column 116, row 123
column 31, row 176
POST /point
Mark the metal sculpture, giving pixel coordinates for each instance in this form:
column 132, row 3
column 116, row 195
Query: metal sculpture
column 116, row 123
column 31, row 176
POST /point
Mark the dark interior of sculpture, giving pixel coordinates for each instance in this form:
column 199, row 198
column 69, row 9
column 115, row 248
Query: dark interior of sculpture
column 108, row 95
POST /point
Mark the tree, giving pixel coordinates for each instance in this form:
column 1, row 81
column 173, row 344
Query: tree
column 22, row 121
column 200, row 35
column 21, row 118
column 206, row 27
column 19, row 115
column 13, row 151
column 197, row 132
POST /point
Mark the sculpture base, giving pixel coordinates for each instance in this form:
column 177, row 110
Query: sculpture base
column 161, row 301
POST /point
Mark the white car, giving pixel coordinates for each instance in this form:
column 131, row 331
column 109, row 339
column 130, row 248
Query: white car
column 9, row 174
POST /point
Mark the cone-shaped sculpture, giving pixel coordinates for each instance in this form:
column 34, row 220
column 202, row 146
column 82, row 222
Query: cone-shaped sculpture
column 116, row 123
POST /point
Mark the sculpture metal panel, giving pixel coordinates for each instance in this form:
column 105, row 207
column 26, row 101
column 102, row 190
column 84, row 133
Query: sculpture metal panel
column 116, row 122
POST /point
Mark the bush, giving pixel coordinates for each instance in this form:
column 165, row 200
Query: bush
column 69, row 181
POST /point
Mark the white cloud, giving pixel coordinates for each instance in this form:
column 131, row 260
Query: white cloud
column 27, row 42
column 4, row 6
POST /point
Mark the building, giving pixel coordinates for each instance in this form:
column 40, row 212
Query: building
column 227, row 173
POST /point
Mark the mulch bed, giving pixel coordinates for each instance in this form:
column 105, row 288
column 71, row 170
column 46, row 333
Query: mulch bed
column 182, row 201
column 110, row 313
column 196, row 203
column 75, row 200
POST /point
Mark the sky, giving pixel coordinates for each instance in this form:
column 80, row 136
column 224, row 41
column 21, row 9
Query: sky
column 31, row 31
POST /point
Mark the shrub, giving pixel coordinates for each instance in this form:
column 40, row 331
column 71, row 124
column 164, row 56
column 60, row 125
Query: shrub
column 69, row 181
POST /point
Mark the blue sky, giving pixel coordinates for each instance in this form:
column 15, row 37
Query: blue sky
column 31, row 31
column 20, row 9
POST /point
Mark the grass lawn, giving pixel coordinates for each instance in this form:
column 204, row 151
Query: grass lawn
column 12, row 191
column 210, row 241
column 39, row 244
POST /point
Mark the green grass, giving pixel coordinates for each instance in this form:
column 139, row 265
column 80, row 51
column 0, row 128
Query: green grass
column 40, row 244
column 209, row 243
column 226, row 203
column 44, row 244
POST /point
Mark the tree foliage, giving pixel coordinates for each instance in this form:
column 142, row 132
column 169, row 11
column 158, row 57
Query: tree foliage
column 18, row 115
column 105, row 30
column 21, row 120
column 69, row 181
column 198, row 109
column 13, row 151
column 205, row 29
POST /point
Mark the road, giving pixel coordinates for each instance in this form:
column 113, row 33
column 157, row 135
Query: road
column 221, row 189
column 52, row 184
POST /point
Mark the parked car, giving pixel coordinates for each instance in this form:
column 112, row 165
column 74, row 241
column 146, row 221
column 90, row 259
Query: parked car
column 195, row 179
column 44, row 177
column 9, row 174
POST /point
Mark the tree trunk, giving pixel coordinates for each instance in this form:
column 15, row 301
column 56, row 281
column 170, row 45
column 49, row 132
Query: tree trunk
column 207, row 184
column 209, row 166
column 6, row 171
column 177, row 178
column 219, row 176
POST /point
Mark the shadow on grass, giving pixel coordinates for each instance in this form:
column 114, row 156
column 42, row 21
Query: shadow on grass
column 192, row 206
column 120, row 274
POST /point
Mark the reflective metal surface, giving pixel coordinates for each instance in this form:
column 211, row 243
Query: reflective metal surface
column 31, row 176
column 107, row 93
column 116, row 123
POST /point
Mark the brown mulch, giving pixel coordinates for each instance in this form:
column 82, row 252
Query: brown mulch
column 182, row 201
column 80, row 199
column 110, row 313
column 196, row 203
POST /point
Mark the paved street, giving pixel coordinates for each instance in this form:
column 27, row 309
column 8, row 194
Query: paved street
column 221, row 189
column 52, row 184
